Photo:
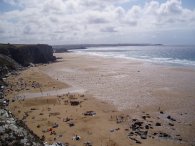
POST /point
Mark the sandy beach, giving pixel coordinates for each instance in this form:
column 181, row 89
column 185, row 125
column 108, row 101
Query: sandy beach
column 106, row 101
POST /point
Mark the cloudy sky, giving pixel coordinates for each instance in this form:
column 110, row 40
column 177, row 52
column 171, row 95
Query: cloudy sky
column 97, row 21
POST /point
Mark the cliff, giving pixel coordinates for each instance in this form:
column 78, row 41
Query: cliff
column 12, row 57
column 26, row 54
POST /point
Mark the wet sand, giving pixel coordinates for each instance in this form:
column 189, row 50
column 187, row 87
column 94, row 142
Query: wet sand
column 118, row 91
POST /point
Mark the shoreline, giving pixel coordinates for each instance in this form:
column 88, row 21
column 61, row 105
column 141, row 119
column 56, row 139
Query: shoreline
column 80, row 72
column 172, row 63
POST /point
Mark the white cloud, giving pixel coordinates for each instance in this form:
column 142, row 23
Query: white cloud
column 133, row 15
column 109, row 29
column 171, row 7
column 85, row 21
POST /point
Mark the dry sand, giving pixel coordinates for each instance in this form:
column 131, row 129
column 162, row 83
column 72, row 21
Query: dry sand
column 117, row 90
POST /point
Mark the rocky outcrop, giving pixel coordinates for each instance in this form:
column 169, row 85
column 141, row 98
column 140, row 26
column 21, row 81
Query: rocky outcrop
column 14, row 132
column 7, row 64
column 26, row 54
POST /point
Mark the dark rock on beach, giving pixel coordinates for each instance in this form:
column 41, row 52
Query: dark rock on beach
column 158, row 124
column 141, row 128
column 89, row 113
column 171, row 118
column 171, row 124
column 165, row 135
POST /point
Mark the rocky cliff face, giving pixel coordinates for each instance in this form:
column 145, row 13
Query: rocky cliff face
column 26, row 54
column 15, row 133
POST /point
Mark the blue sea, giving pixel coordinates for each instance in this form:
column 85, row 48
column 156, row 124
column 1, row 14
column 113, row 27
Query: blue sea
column 173, row 55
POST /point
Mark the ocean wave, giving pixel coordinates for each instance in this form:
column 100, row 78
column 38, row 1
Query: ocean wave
column 161, row 60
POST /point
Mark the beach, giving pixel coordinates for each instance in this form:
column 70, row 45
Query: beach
column 106, row 101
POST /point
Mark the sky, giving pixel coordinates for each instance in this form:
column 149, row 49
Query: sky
column 58, row 22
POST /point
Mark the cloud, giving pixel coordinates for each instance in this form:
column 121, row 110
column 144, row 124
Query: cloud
column 62, row 21
column 1, row 30
column 133, row 15
column 109, row 29
column 171, row 7
column 96, row 17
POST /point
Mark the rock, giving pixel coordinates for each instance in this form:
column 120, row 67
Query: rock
column 155, row 133
column 180, row 139
column 161, row 112
column 31, row 64
column 7, row 64
column 136, row 125
column 1, row 95
column 71, row 124
column 171, row 118
column 138, row 129
column 60, row 144
column 116, row 129
column 131, row 134
column 32, row 109
column 43, row 138
column 55, row 125
column 54, row 114
column 57, row 144
column 136, row 141
column 158, row 124
column 66, row 119
column 147, row 127
column 4, row 102
column 88, row 143
column 76, row 137
column 74, row 103
column 143, row 134
column 144, row 117
column 4, row 114
column 171, row 124
column 165, row 135
column 112, row 130
column 89, row 113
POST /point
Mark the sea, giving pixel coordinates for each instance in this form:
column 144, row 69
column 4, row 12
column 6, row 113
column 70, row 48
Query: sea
column 163, row 54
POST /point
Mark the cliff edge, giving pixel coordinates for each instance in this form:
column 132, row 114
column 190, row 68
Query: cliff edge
column 27, row 54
